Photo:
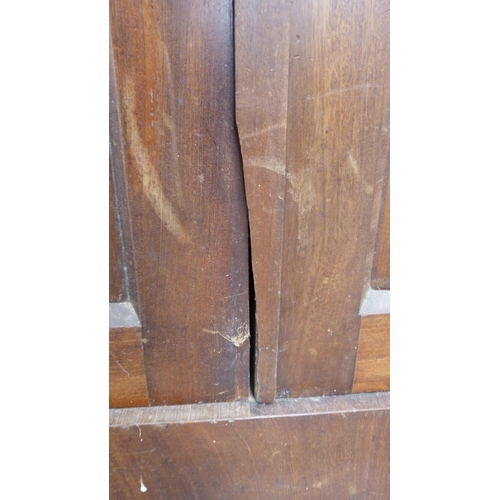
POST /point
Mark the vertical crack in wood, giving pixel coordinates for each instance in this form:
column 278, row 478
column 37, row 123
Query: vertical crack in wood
column 261, row 72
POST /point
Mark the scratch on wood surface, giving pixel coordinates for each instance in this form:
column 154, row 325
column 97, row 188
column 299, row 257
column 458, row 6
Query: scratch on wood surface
column 120, row 365
column 303, row 193
column 319, row 484
column 251, row 457
column 235, row 295
column 151, row 183
column 263, row 130
column 242, row 333
column 171, row 123
column 138, row 452
column 355, row 168
column 272, row 164
column 342, row 90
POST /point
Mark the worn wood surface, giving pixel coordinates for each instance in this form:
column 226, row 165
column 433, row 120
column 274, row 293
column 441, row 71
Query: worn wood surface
column 183, row 179
column 117, row 291
column 262, row 40
column 127, row 378
column 313, row 116
column 333, row 447
column 381, row 277
column 373, row 360
column 337, row 151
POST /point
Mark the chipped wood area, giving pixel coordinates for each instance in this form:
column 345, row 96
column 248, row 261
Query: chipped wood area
column 242, row 334
column 310, row 447
column 373, row 361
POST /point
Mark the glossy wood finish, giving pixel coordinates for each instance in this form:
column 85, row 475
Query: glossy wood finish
column 333, row 447
column 127, row 378
column 262, row 38
column 184, row 186
column 381, row 277
column 373, row 361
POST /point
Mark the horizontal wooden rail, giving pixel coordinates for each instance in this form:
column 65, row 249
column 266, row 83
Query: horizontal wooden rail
column 317, row 447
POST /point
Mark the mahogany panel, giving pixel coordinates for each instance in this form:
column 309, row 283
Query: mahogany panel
column 337, row 152
column 183, row 179
column 127, row 378
column 373, row 361
column 333, row 447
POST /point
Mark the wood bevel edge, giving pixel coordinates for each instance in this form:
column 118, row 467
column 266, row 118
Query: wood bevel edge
column 376, row 302
column 248, row 410
column 123, row 315
column 119, row 175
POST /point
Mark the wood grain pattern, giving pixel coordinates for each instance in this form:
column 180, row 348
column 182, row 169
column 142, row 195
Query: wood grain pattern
column 313, row 119
column 381, row 277
column 261, row 39
column 337, row 151
column 127, row 377
column 175, row 83
column 335, row 447
column 117, row 291
column 373, row 361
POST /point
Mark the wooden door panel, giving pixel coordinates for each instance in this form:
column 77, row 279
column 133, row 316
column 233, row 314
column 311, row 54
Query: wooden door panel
column 182, row 182
column 332, row 447
column 312, row 110
column 337, row 150
column 313, row 114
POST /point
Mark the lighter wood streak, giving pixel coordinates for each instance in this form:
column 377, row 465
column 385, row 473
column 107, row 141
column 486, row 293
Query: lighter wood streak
column 341, row 91
column 151, row 182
